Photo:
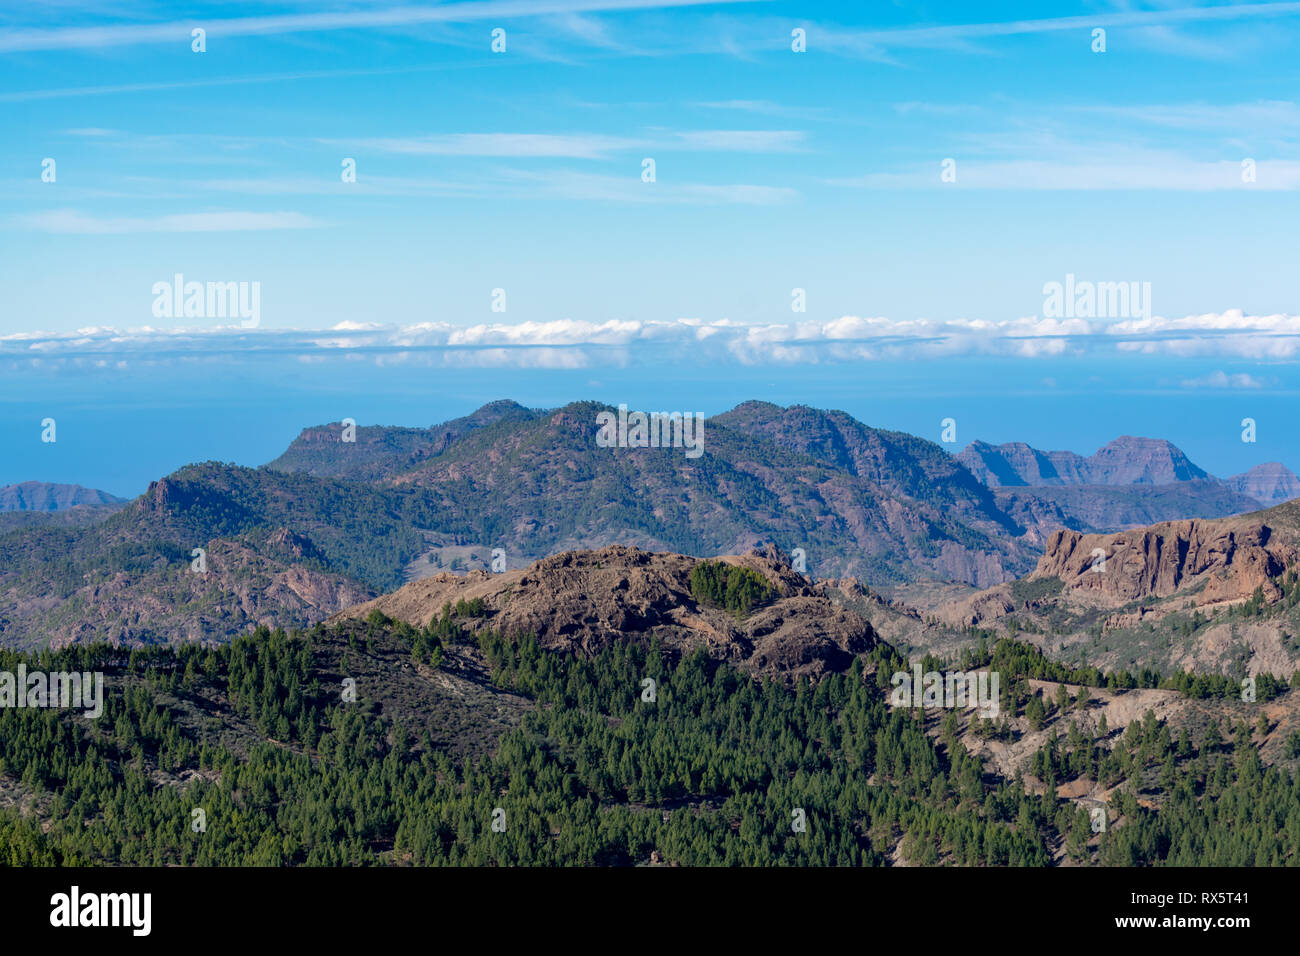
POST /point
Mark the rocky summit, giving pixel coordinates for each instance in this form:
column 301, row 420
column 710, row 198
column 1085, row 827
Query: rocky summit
column 582, row 601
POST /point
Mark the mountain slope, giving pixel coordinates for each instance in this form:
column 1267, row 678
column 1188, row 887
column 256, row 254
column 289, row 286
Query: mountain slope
column 280, row 550
column 541, row 486
column 901, row 464
column 382, row 451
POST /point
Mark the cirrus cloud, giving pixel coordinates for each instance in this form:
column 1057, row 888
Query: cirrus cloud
column 71, row 221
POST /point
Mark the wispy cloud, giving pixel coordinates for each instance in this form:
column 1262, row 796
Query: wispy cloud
column 951, row 34
column 1164, row 173
column 64, row 38
column 1267, row 114
column 23, row 96
column 1221, row 379
column 578, row 145
column 572, row 184
column 742, row 140
column 764, row 108
column 70, row 221
column 547, row 145
column 497, row 183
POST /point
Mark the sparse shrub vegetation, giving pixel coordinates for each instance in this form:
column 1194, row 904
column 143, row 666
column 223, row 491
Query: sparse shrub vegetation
column 729, row 586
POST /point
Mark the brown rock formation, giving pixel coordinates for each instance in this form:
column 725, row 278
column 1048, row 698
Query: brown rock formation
column 1229, row 558
column 581, row 601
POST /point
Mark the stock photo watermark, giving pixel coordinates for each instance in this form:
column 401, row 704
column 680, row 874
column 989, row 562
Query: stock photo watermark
column 179, row 299
column 948, row 690
column 651, row 430
column 63, row 690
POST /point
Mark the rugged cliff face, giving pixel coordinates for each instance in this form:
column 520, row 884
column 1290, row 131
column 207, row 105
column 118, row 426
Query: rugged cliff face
column 1216, row 595
column 1129, row 460
column 1017, row 464
column 1222, row 560
column 581, row 601
column 1204, row 562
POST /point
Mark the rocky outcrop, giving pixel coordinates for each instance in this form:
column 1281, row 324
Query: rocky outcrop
column 1224, row 560
column 296, row 545
column 1146, row 572
column 1140, row 461
column 581, row 601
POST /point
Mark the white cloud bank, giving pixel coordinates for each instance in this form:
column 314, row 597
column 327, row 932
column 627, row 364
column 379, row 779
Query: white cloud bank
column 571, row 343
column 1221, row 379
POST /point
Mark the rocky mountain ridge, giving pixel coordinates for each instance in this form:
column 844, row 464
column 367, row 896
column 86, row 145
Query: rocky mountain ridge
column 1128, row 460
column 580, row 601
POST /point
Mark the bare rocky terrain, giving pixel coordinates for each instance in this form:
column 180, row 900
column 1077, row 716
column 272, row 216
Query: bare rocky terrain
column 1196, row 594
column 581, row 601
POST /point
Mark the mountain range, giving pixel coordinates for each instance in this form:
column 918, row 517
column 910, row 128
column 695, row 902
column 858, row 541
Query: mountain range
column 1124, row 462
column 343, row 516
column 501, row 588
column 1130, row 481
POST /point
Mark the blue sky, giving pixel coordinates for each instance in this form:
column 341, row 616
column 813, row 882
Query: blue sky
column 522, row 171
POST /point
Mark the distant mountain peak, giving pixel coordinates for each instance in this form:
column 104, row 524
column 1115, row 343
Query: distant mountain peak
column 1127, row 460
column 47, row 496
column 1132, row 460
column 1270, row 483
column 495, row 410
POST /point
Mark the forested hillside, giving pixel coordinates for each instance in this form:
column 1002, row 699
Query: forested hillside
column 252, row 753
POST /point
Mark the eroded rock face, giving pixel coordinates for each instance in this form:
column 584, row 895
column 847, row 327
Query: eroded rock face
column 1230, row 559
column 581, row 601
column 1153, row 571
